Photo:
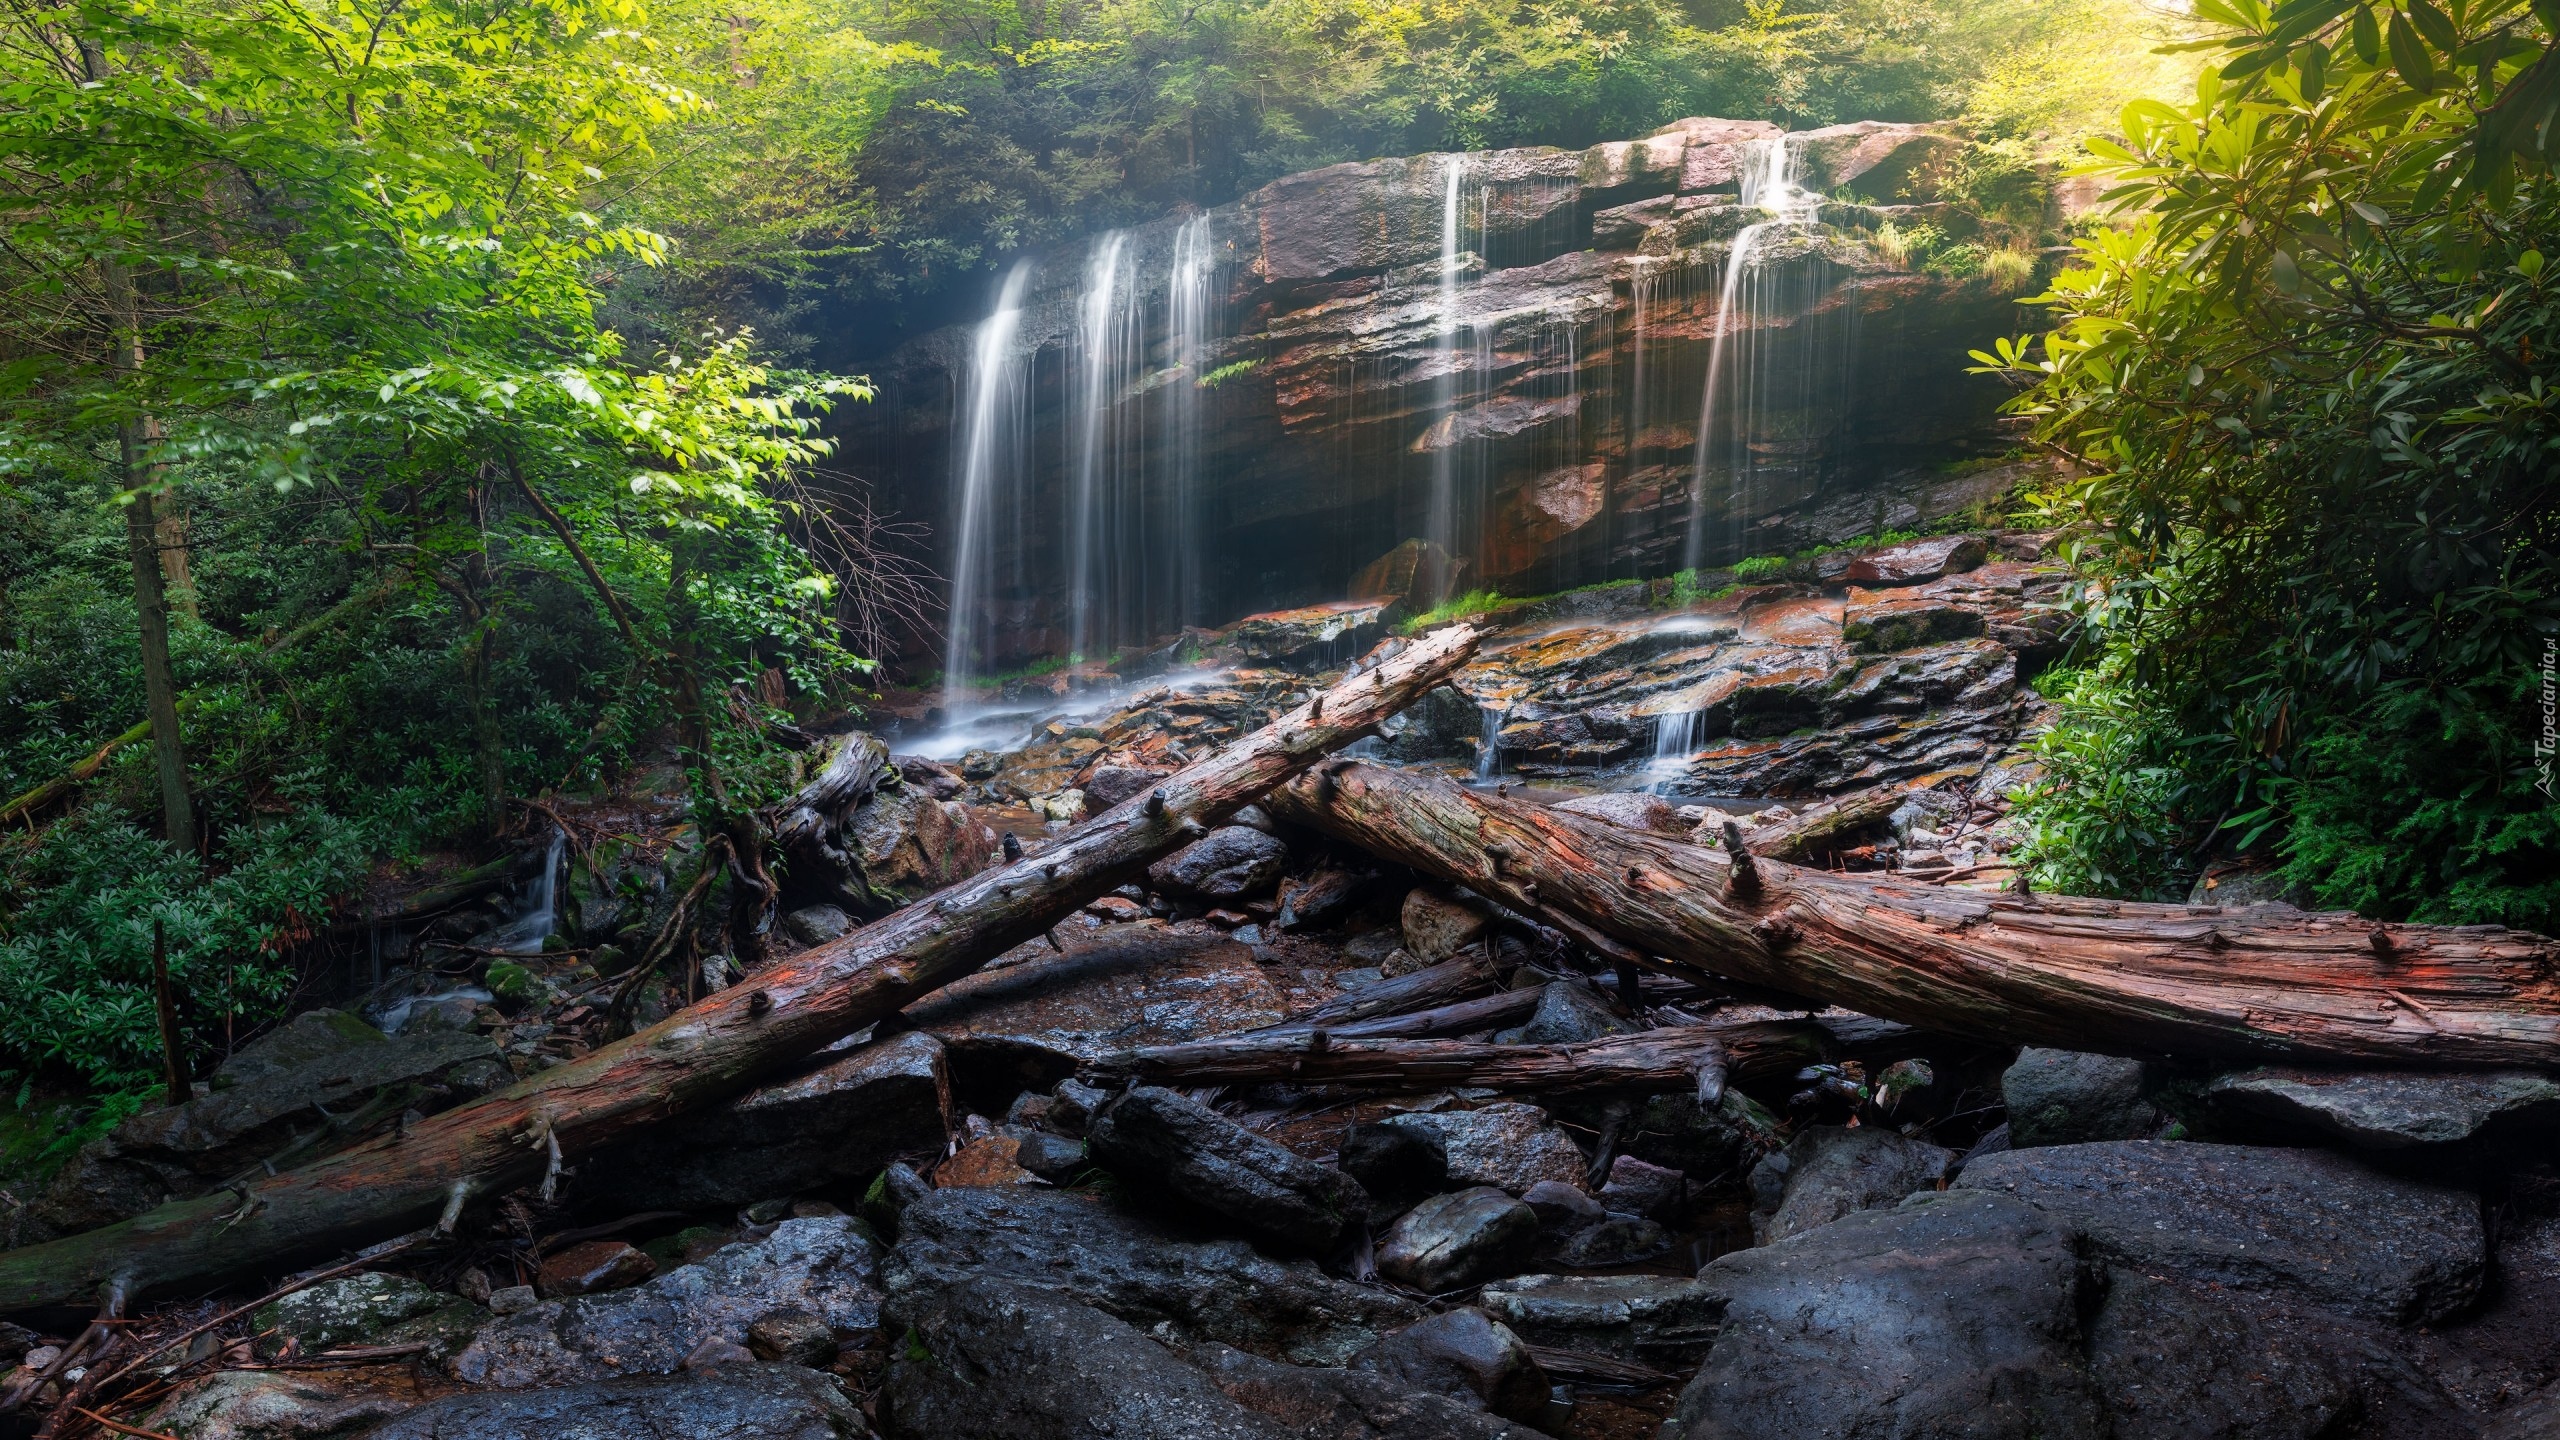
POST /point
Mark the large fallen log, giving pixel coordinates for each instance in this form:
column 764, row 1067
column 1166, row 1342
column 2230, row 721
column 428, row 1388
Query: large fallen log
column 426, row 1172
column 1651, row 1060
column 2253, row 984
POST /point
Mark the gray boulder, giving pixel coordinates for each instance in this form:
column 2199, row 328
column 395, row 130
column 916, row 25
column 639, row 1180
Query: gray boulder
column 1508, row 1145
column 1146, row 1270
column 836, row 1125
column 1616, row 1240
column 2384, row 1110
column 817, row 924
column 1153, row 1137
column 995, row 1360
column 1635, row 809
column 822, row 1265
column 734, row 1402
column 2065, row 1097
column 1450, row 1241
column 2300, row 1221
column 2175, row 1362
column 1567, row 1014
column 315, row 1404
column 1466, row 1355
column 306, row 1039
column 1655, row 1192
column 1232, row 862
column 1660, row 1320
column 1828, row 1172
column 1950, row 1315
column 367, row 1308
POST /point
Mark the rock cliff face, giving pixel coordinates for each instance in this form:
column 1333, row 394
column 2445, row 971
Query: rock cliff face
column 1506, row 353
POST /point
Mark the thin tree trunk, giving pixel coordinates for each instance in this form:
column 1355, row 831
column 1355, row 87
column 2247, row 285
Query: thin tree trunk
column 711, row 1050
column 2263, row 983
column 1655, row 1060
column 151, row 608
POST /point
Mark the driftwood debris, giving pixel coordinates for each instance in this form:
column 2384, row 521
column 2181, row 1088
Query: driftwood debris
column 2260, row 983
column 427, row 1172
column 1672, row 1058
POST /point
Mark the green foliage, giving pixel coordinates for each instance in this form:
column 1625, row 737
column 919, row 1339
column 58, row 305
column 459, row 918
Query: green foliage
column 1456, row 607
column 2311, row 385
column 75, row 957
column 2109, row 817
column 1759, row 567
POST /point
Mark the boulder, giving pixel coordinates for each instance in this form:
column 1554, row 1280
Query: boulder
column 1635, row 809
column 1827, row 1172
column 1147, row 1270
column 318, row 1086
column 734, row 1402
column 1416, row 572
column 1053, row 1158
column 1567, row 1014
column 2303, row 1222
column 794, row 1337
column 1919, row 561
column 996, row 1360
column 1467, row 1355
column 1950, row 1315
column 1233, row 862
column 1108, row 785
column 822, row 1265
column 1154, row 1138
column 307, row 1038
column 1285, row 634
column 2066, row 1097
column 1437, row 925
column 1398, row 1165
column 2384, row 1110
column 1660, row 1320
column 1879, row 159
column 351, row 1310
column 1508, row 1145
column 1451, row 1241
column 897, row 845
column 987, row 1160
column 1324, row 898
column 317, row 1404
column 833, row 1126
column 1561, row 1208
column 1655, row 1192
column 1616, row 1240
column 2537, row 1418
column 1883, row 622
column 817, row 924
column 1676, row 1132
column 2176, row 1362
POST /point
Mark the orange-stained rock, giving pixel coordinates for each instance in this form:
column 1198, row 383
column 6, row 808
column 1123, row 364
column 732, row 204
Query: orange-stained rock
column 594, row 1266
column 982, row 1163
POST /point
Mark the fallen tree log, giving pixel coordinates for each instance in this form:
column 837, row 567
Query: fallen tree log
column 1822, row 824
column 1466, row 975
column 1650, row 1060
column 2255, row 984
column 426, row 1172
column 1506, row 1008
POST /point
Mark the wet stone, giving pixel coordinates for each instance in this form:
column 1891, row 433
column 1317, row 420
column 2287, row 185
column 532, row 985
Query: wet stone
column 1154, row 1138
column 2383, row 1110
column 349, row 1311
column 594, row 1267
column 1451, row 1241
column 1508, row 1145
column 1398, row 1165
column 1468, row 1355
column 733, row 1402
column 2066, row 1097
column 1827, row 1172
column 987, row 1160
column 793, row 1337
column 1616, row 1240
column 1436, row 925
column 1661, row 1320
column 1233, row 862
column 1567, row 1014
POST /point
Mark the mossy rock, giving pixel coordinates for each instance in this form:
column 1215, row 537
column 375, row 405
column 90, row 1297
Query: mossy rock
column 356, row 1310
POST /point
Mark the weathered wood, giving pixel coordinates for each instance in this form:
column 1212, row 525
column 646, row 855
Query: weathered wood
column 1456, row 979
column 2253, row 984
column 1818, row 826
column 1506, row 1008
column 1650, row 1060
column 848, row 778
column 426, row 1172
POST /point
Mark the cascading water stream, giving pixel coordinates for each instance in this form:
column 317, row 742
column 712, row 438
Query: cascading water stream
column 1489, row 721
column 1190, row 313
column 1440, row 522
column 1769, row 185
column 1110, row 333
column 538, row 913
column 989, row 457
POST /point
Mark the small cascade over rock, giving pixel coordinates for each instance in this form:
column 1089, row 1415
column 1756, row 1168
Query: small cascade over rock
column 985, row 483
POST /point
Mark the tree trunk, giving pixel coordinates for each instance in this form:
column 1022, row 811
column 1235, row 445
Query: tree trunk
column 2265, row 983
column 714, row 1049
column 1655, row 1060
column 151, row 607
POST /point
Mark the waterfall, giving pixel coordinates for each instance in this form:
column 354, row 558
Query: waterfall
column 1440, row 523
column 538, row 914
column 1110, row 338
column 1489, row 740
column 1677, row 737
column 1190, row 306
column 989, row 456
column 1768, row 184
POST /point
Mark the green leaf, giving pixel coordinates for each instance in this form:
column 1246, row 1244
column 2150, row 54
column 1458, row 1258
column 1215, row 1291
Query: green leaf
column 2434, row 25
column 2409, row 55
column 2286, row 274
column 2366, row 36
column 2529, row 264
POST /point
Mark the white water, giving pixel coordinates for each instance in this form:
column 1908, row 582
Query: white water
column 1190, row 325
column 1768, row 184
column 1677, row 737
column 539, row 914
column 990, row 457
column 1489, row 741
column 1110, row 337
column 1440, row 521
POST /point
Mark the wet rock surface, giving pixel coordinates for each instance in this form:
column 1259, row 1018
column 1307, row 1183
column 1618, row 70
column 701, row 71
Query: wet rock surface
column 1827, row 1172
column 736, row 1402
column 1451, row 1241
column 2386, row 1111
column 824, row 1266
column 1949, row 1315
column 1153, row 1137
column 2300, row 1221
column 1146, row 1270
column 2064, row 1097
column 1507, row 1145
